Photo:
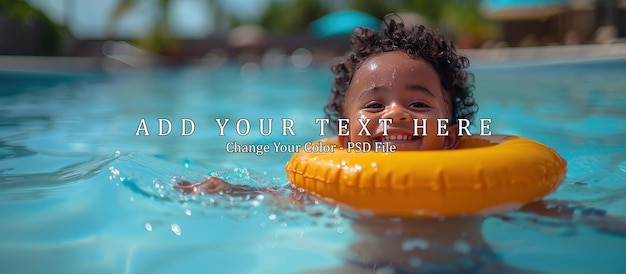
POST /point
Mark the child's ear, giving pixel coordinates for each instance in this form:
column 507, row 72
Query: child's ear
column 453, row 139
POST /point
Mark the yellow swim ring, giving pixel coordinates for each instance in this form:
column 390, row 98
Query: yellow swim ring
column 486, row 174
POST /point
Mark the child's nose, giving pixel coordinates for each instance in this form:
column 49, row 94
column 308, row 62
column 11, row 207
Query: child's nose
column 397, row 113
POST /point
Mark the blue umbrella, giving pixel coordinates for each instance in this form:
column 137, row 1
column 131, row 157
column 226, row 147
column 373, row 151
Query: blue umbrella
column 342, row 23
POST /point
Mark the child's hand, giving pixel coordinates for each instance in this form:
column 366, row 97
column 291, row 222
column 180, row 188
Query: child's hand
column 208, row 185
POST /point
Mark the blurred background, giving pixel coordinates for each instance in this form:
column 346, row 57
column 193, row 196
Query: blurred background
column 138, row 33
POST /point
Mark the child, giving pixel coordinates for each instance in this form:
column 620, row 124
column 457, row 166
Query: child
column 403, row 74
column 400, row 73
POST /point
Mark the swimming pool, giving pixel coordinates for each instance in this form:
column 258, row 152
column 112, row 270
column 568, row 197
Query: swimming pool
column 82, row 193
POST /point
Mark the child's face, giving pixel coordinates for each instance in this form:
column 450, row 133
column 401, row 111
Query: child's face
column 395, row 86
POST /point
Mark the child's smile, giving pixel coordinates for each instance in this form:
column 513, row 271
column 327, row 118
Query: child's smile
column 397, row 137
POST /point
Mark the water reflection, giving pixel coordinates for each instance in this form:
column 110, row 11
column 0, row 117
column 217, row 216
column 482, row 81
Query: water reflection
column 366, row 244
column 393, row 245
column 419, row 245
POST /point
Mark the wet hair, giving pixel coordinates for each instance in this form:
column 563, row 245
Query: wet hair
column 418, row 42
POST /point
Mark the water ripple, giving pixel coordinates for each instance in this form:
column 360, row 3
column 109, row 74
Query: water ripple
column 35, row 185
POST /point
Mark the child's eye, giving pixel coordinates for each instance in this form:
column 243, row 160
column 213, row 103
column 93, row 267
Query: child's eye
column 374, row 106
column 418, row 105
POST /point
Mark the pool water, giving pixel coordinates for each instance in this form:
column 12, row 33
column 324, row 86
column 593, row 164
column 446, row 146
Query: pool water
column 81, row 193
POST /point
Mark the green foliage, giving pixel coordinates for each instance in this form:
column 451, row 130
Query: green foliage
column 464, row 19
column 17, row 10
column 159, row 39
column 21, row 11
column 25, row 15
column 454, row 17
column 292, row 16
column 430, row 9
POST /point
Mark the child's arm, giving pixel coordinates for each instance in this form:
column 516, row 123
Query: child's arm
column 595, row 218
column 215, row 185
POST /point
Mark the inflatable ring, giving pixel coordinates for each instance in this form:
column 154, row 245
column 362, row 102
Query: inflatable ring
column 486, row 174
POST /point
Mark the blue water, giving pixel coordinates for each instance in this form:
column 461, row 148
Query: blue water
column 81, row 193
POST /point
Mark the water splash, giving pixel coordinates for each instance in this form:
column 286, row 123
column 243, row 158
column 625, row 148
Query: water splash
column 258, row 196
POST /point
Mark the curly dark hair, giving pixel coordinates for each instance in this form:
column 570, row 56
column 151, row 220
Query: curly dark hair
column 418, row 42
